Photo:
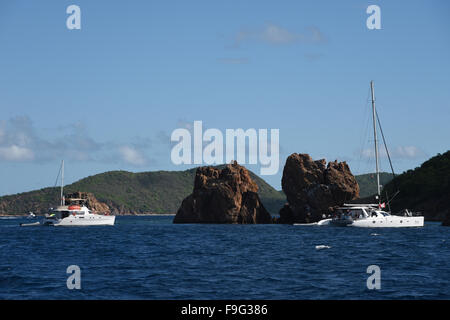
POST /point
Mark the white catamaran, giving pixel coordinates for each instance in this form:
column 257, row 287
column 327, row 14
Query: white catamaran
column 372, row 215
column 73, row 212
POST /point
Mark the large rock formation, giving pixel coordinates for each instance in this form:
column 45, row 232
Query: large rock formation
column 91, row 202
column 225, row 195
column 313, row 188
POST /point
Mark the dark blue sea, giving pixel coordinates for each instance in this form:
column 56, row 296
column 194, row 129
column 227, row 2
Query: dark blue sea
column 151, row 258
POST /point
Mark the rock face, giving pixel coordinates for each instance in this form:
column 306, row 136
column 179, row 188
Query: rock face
column 92, row 203
column 313, row 188
column 446, row 221
column 225, row 195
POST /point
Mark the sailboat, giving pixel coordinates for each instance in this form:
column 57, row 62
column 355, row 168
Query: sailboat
column 372, row 215
column 74, row 212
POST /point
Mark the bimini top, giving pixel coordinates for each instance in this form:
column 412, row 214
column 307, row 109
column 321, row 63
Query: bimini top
column 360, row 205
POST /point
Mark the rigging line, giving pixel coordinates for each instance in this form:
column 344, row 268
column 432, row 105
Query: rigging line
column 362, row 143
column 364, row 140
column 387, row 151
column 59, row 172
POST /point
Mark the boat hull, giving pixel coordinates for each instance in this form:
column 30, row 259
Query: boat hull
column 75, row 221
column 389, row 222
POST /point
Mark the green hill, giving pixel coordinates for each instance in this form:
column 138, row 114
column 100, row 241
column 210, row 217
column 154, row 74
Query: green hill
column 425, row 189
column 127, row 192
column 368, row 183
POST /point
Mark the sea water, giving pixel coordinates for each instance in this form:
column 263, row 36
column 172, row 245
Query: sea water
column 150, row 258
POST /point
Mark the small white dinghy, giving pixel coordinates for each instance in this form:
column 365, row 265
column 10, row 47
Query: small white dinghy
column 306, row 224
column 30, row 224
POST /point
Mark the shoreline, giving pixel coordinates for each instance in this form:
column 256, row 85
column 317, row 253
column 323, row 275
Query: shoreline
column 118, row 215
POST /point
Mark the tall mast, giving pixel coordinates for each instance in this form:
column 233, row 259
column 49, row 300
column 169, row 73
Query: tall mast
column 376, row 141
column 62, row 182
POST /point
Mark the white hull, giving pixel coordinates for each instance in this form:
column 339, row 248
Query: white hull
column 80, row 221
column 367, row 216
column 65, row 217
column 388, row 222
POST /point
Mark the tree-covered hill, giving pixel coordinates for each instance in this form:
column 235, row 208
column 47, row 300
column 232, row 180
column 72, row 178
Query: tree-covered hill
column 425, row 189
column 368, row 183
column 127, row 192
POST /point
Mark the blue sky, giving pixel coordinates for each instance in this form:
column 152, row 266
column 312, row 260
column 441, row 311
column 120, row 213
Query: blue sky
column 108, row 96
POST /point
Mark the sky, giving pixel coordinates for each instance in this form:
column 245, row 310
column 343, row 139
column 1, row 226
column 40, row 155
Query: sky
column 109, row 95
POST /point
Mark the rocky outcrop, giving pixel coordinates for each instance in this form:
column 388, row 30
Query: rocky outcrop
column 446, row 221
column 227, row 195
column 314, row 188
column 91, row 202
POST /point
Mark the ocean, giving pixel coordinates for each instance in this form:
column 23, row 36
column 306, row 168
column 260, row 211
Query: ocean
column 148, row 257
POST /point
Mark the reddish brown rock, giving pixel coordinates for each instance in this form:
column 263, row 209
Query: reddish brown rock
column 313, row 188
column 225, row 195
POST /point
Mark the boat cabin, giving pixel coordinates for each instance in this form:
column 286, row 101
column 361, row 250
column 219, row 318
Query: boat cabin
column 62, row 212
column 359, row 212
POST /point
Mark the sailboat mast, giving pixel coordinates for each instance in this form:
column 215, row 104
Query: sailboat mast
column 62, row 182
column 376, row 140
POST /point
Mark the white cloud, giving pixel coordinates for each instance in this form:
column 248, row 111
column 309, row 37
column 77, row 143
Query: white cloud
column 16, row 153
column 408, row 152
column 276, row 35
column 400, row 152
column 132, row 156
column 20, row 141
